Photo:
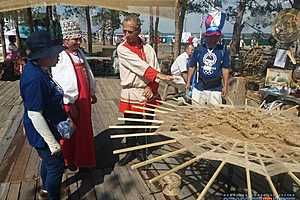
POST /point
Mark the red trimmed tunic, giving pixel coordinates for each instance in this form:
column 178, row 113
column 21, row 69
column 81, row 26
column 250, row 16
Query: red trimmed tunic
column 80, row 149
column 149, row 76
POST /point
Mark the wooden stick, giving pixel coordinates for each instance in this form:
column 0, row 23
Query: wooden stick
column 160, row 107
column 132, row 126
column 132, row 135
column 185, row 164
column 274, row 191
column 248, row 177
column 157, row 178
column 119, row 151
column 147, row 162
column 278, row 105
column 249, row 188
column 294, row 177
column 210, row 182
column 140, row 113
column 262, row 104
column 140, row 120
column 149, row 109
column 169, row 104
column 283, row 111
column 230, row 101
column 291, row 108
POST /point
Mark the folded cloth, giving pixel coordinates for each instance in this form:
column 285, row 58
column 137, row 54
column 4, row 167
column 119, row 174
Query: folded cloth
column 65, row 128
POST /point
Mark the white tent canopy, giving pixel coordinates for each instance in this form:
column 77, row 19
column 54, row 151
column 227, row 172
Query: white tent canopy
column 164, row 8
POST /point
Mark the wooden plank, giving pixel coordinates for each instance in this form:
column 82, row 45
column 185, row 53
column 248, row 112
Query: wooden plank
column 128, row 186
column 13, row 95
column 33, row 166
column 28, row 190
column 14, row 190
column 8, row 93
column 14, row 130
column 90, row 195
column 154, row 190
column 97, row 121
column 4, row 187
column 21, row 163
column 65, row 188
column 110, row 189
column 11, row 154
column 141, row 186
column 74, row 193
column 4, row 112
column 85, row 186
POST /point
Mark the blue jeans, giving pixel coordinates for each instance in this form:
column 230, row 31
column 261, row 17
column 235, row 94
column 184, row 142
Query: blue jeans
column 52, row 169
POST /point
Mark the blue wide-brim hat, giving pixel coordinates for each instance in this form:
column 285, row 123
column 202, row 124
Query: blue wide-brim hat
column 41, row 46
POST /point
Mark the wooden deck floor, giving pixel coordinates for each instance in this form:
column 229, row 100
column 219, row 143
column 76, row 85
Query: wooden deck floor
column 19, row 167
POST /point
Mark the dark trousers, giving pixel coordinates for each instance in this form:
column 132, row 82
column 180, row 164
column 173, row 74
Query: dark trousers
column 52, row 169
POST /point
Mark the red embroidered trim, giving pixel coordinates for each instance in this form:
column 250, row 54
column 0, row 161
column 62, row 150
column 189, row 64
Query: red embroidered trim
column 150, row 74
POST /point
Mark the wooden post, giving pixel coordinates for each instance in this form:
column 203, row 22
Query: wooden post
column 16, row 23
column 156, row 36
column 237, row 91
column 2, row 36
column 30, row 19
column 48, row 17
column 89, row 30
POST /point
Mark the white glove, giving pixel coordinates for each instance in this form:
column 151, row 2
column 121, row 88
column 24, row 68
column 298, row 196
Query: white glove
column 42, row 128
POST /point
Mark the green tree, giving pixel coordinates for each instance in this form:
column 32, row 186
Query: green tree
column 108, row 21
column 180, row 11
column 89, row 30
column 259, row 15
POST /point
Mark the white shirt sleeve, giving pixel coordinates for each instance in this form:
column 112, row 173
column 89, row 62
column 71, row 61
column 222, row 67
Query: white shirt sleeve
column 41, row 126
column 179, row 65
column 64, row 74
column 182, row 63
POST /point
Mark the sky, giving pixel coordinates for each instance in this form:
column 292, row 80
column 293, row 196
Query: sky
column 193, row 21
